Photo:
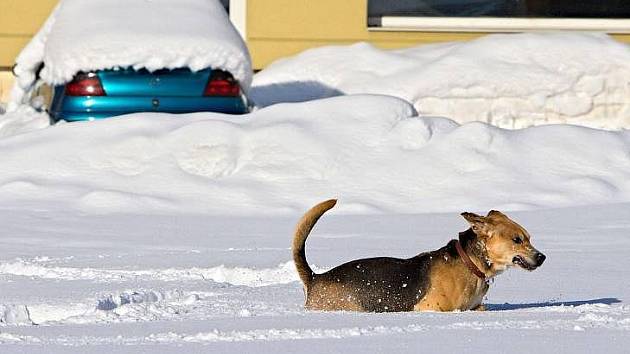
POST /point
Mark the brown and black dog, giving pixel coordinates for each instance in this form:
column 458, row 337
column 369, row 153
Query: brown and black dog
column 454, row 277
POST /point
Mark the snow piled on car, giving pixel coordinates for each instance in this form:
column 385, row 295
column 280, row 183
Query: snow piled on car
column 374, row 152
column 103, row 34
column 508, row 80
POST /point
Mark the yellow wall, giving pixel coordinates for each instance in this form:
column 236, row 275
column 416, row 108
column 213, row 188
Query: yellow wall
column 279, row 28
column 6, row 81
column 19, row 20
column 291, row 26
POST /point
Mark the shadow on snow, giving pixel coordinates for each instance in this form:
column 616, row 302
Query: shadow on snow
column 507, row 307
column 291, row 92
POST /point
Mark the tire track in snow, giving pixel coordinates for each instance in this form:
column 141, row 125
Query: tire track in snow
column 280, row 334
column 579, row 324
column 215, row 336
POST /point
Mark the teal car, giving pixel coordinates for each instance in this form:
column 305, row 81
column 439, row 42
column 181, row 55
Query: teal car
column 108, row 93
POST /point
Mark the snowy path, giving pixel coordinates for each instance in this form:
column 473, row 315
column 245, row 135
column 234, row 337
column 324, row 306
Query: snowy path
column 187, row 283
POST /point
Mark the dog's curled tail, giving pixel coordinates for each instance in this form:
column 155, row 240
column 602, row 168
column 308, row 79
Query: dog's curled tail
column 302, row 230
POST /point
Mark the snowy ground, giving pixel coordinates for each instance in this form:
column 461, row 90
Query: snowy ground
column 186, row 283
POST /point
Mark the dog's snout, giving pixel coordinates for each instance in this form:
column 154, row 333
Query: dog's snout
column 540, row 258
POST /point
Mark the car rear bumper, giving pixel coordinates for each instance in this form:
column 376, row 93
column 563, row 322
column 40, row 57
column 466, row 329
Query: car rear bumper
column 71, row 108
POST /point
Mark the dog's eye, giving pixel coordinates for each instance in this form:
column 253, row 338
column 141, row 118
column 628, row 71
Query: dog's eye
column 517, row 240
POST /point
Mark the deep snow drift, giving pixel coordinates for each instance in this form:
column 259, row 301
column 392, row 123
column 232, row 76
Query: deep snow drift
column 372, row 151
column 103, row 34
column 508, row 80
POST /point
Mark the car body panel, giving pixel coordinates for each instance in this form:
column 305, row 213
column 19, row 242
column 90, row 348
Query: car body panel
column 133, row 91
column 173, row 83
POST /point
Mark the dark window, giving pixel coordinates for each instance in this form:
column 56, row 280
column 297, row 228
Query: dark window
column 226, row 4
column 501, row 8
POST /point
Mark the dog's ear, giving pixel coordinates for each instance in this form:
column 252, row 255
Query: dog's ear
column 495, row 213
column 477, row 222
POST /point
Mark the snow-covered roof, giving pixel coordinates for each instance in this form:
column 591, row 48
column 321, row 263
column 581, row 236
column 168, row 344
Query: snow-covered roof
column 153, row 34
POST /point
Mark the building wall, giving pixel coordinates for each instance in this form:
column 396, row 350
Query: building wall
column 279, row 28
column 286, row 27
column 19, row 21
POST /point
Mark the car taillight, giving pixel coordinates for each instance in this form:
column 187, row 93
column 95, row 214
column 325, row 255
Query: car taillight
column 85, row 85
column 222, row 83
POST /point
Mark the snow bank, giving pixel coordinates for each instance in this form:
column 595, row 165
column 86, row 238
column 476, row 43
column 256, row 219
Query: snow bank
column 14, row 315
column 22, row 119
column 101, row 34
column 282, row 274
column 373, row 152
column 508, row 80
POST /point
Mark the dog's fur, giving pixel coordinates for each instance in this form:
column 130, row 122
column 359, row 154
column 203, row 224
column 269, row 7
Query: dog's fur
column 431, row 281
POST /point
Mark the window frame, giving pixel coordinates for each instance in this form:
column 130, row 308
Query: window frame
column 497, row 24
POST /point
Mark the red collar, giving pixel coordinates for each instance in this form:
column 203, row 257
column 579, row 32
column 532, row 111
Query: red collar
column 468, row 262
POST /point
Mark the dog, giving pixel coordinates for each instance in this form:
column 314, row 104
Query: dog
column 453, row 278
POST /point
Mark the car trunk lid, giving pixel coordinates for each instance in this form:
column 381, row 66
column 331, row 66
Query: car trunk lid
column 161, row 83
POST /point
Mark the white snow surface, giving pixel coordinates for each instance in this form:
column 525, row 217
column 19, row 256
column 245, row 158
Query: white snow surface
column 138, row 283
column 375, row 152
column 22, row 119
column 508, row 80
column 104, row 34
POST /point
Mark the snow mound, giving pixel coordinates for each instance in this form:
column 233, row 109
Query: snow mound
column 116, row 301
column 14, row 315
column 373, row 152
column 23, row 119
column 508, row 80
column 103, row 34
column 238, row 276
column 124, row 306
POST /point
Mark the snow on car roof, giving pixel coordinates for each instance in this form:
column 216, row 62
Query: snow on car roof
column 153, row 34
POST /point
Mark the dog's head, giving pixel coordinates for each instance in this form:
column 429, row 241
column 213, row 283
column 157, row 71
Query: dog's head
column 506, row 242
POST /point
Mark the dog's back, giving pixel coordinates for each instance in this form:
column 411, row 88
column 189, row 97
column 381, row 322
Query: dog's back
column 375, row 284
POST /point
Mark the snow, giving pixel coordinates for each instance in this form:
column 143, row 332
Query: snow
column 372, row 151
column 508, row 80
column 171, row 233
column 109, row 292
column 132, row 33
column 22, row 119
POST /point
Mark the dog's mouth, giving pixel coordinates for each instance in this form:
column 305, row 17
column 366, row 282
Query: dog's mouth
column 521, row 262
